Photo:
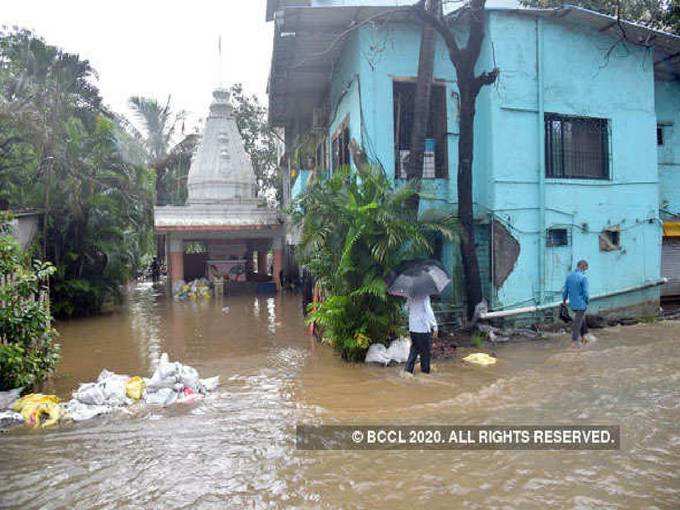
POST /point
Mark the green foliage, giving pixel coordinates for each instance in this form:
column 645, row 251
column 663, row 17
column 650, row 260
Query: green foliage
column 155, row 144
column 27, row 348
column 477, row 339
column 356, row 228
column 260, row 141
column 62, row 152
column 658, row 14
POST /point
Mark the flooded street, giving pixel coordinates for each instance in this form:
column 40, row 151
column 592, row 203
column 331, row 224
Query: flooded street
column 236, row 448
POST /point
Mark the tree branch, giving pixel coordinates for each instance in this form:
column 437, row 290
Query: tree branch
column 438, row 23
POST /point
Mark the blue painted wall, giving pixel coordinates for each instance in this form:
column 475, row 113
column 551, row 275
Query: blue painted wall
column 577, row 80
column 668, row 116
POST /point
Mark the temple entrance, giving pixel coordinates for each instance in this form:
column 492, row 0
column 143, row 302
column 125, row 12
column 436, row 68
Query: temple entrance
column 224, row 233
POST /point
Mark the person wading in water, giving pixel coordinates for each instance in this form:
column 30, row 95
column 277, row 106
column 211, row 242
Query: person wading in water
column 576, row 291
column 421, row 324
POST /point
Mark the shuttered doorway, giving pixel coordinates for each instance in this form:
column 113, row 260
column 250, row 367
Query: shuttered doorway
column 670, row 261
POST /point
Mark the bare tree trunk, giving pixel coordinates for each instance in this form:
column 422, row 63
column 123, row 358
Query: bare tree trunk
column 421, row 102
column 464, row 60
column 468, row 250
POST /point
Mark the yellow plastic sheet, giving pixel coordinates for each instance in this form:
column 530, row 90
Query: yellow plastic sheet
column 671, row 229
column 134, row 388
column 480, row 358
column 37, row 407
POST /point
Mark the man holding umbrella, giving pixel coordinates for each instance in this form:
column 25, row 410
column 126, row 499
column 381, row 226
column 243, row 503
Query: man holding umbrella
column 417, row 281
column 422, row 325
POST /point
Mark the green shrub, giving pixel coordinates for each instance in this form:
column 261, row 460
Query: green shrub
column 27, row 348
column 77, row 298
column 356, row 228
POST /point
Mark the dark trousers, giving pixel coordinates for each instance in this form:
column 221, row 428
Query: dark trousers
column 421, row 344
column 579, row 328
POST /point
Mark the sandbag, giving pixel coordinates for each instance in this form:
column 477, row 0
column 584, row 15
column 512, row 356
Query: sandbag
column 39, row 410
column 90, row 394
column 210, row 384
column 162, row 397
column 480, row 358
column 10, row 419
column 189, row 378
column 7, row 398
column 399, row 349
column 134, row 388
column 377, row 353
column 78, row 411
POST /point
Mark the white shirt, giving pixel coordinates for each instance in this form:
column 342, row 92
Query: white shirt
column 420, row 315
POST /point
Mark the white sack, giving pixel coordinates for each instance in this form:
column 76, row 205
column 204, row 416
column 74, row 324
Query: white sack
column 399, row 349
column 377, row 353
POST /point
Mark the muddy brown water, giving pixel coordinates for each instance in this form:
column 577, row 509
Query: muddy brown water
column 236, row 448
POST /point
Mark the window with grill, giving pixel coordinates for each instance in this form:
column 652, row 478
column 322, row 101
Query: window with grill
column 576, row 147
column 557, row 237
column 341, row 147
column 660, row 135
column 435, row 161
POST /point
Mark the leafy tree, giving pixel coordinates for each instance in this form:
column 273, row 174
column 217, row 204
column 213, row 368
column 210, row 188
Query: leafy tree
column 261, row 142
column 27, row 348
column 169, row 160
column 356, row 228
column 63, row 152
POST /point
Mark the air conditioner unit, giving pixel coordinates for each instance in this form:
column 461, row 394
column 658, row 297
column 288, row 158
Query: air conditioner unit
column 429, row 164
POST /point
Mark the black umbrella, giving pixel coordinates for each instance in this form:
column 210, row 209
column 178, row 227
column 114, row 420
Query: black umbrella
column 418, row 278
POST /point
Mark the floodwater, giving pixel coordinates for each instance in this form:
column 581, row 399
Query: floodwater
column 236, row 448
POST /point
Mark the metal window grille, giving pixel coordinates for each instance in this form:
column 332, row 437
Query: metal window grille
column 435, row 163
column 576, row 147
column 557, row 237
column 659, row 136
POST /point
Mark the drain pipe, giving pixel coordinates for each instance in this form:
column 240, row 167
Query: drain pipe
column 530, row 309
column 540, row 108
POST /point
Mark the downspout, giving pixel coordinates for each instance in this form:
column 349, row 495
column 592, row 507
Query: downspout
column 541, row 160
column 531, row 309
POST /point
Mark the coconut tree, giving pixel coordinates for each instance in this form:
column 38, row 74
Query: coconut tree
column 161, row 127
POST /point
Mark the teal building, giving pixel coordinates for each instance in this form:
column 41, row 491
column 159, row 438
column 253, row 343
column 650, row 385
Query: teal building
column 577, row 150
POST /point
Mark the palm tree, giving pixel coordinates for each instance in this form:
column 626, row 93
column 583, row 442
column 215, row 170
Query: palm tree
column 159, row 131
column 356, row 228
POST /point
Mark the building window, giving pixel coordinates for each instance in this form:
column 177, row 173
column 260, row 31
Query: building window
column 610, row 240
column 576, row 147
column 659, row 135
column 341, row 147
column 435, row 163
column 557, row 237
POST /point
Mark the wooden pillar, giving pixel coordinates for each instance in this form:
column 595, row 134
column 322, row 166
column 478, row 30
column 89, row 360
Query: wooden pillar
column 175, row 260
column 262, row 261
column 278, row 261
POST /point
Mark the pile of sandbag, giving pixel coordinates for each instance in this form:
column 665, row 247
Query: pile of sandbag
column 397, row 352
column 195, row 290
column 170, row 383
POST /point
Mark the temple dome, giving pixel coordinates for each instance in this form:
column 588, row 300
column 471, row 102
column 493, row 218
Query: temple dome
column 221, row 170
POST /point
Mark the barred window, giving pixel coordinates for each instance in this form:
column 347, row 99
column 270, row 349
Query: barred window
column 435, row 160
column 576, row 147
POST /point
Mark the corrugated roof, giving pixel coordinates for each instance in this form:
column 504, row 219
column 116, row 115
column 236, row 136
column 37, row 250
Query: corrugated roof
column 307, row 42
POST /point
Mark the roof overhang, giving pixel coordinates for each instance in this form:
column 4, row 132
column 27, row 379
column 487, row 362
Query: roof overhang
column 666, row 46
column 307, row 42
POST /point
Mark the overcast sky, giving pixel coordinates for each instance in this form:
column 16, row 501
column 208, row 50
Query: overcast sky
column 157, row 47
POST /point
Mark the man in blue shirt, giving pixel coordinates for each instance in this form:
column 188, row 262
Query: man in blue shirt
column 576, row 291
